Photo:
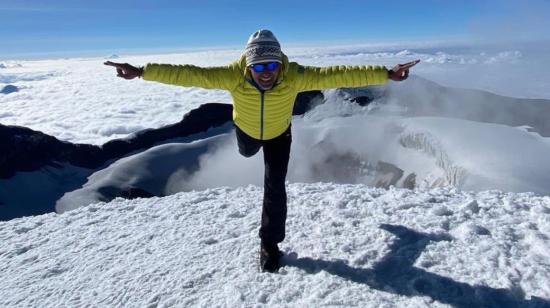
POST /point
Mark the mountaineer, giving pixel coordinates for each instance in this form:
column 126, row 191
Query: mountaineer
column 264, row 84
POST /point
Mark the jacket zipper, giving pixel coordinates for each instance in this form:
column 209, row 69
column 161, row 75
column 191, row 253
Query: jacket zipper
column 262, row 115
column 262, row 94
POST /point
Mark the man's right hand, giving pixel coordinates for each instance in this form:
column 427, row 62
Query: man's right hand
column 125, row 70
column 400, row 72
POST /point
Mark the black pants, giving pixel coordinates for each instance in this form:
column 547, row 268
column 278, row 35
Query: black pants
column 276, row 156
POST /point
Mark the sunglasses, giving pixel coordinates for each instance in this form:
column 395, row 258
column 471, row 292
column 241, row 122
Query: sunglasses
column 260, row 67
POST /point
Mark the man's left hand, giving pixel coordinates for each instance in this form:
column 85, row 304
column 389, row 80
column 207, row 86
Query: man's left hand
column 400, row 72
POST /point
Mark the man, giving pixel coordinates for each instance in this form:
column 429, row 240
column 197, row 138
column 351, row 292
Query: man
column 264, row 85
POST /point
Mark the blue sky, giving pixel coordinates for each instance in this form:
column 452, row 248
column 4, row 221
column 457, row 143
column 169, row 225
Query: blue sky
column 41, row 27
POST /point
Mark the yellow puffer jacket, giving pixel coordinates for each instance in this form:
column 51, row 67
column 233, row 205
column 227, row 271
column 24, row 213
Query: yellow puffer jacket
column 266, row 114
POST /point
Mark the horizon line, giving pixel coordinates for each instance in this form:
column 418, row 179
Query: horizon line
column 377, row 45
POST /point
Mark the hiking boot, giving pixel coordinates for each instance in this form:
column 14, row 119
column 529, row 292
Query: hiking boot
column 270, row 256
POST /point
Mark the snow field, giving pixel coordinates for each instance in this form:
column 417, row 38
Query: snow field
column 347, row 245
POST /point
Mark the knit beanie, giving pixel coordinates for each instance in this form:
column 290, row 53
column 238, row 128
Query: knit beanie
column 262, row 46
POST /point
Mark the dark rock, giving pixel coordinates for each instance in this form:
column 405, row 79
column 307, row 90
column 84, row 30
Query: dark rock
column 362, row 100
column 9, row 89
column 364, row 96
column 196, row 121
column 339, row 168
column 23, row 149
column 387, row 175
column 110, row 193
column 305, row 101
column 410, row 181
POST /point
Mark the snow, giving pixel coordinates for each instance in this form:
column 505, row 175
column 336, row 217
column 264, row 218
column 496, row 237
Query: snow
column 468, row 235
column 347, row 245
column 482, row 157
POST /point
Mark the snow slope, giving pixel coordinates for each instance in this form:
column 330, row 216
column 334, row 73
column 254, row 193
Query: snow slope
column 331, row 147
column 346, row 245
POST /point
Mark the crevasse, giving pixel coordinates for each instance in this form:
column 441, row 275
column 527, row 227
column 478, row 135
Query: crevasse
column 426, row 143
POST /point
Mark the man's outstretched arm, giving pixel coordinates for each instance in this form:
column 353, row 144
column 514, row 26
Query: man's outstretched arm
column 318, row 78
column 221, row 77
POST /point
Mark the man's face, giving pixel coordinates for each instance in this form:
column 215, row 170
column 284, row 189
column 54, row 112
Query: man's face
column 265, row 74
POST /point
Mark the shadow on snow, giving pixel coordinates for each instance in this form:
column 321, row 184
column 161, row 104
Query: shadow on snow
column 396, row 273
